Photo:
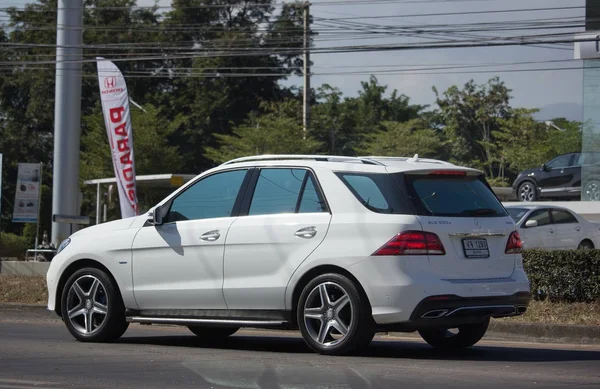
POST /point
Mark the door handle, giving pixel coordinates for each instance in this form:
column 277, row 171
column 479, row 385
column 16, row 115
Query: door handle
column 211, row 236
column 306, row 233
column 552, row 231
column 578, row 229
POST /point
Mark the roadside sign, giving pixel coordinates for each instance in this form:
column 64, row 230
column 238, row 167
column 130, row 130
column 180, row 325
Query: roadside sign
column 27, row 194
column 68, row 219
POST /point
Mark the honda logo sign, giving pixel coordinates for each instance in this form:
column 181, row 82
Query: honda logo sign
column 110, row 82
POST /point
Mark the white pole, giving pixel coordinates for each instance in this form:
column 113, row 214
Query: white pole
column 98, row 205
column 67, row 114
column 306, row 69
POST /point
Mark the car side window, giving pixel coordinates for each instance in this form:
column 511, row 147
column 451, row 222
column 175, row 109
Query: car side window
column 277, row 191
column 563, row 217
column 560, row 162
column 211, row 197
column 541, row 216
column 311, row 199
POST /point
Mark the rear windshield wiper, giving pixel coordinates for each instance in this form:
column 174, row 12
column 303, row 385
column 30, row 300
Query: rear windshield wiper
column 480, row 212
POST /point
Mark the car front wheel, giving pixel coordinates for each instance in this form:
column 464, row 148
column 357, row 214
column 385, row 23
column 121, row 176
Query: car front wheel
column 527, row 192
column 92, row 308
column 333, row 316
column 461, row 337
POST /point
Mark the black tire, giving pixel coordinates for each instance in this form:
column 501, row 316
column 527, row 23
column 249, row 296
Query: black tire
column 354, row 315
column 467, row 336
column 109, row 326
column 585, row 245
column 527, row 192
column 213, row 333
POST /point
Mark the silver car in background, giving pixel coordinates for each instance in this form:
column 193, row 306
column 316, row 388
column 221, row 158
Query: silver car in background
column 554, row 228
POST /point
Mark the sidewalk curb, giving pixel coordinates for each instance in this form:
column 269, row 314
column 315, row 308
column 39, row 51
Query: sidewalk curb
column 571, row 333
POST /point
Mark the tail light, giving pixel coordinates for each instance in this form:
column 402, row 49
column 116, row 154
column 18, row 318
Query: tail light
column 514, row 245
column 460, row 173
column 413, row 243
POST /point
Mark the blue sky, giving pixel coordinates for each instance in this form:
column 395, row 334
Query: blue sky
column 530, row 89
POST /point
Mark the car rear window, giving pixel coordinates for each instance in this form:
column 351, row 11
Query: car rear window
column 453, row 196
column 377, row 192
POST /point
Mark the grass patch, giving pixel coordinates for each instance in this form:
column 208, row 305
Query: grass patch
column 560, row 313
column 23, row 289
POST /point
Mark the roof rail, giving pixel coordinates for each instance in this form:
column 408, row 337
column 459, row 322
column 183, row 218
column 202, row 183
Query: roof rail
column 323, row 158
column 414, row 159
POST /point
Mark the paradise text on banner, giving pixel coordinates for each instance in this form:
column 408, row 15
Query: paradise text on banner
column 117, row 118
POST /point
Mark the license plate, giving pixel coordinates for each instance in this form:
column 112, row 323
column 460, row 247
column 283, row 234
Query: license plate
column 476, row 248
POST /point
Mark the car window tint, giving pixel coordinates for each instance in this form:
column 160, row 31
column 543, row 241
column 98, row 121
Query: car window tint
column 541, row 216
column 311, row 200
column 211, row 197
column 562, row 161
column 367, row 190
column 563, row 217
column 460, row 196
column 377, row 192
column 277, row 191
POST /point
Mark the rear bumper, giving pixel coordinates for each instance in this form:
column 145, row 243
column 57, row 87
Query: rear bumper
column 451, row 310
column 399, row 296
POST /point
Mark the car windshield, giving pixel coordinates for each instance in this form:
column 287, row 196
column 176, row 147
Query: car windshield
column 517, row 213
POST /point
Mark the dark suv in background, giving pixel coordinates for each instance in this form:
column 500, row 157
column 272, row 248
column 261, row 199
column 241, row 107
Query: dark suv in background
column 561, row 179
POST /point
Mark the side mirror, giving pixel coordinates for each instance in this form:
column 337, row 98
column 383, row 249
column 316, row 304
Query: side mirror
column 545, row 168
column 158, row 214
column 531, row 223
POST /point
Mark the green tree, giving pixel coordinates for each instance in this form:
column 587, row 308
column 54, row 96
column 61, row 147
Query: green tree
column 153, row 153
column 470, row 117
column 277, row 131
column 405, row 140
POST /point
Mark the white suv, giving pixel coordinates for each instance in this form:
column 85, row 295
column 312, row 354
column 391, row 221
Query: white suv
column 338, row 247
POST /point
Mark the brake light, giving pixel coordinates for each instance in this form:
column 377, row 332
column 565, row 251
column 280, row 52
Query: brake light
column 514, row 244
column 413, row 243
column 461, row 173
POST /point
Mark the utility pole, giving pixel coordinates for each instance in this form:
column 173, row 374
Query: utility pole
column 306, row 69
column 67, row 114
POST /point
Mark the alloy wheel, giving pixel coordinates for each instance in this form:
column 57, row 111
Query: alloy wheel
column 526, row 192
column 592, row 191
column 328, row 314
column 87, row 304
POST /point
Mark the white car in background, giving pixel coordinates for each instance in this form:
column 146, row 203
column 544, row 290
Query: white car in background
column 554, row 228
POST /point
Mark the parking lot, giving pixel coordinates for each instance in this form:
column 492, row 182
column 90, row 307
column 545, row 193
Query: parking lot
column 38, row 352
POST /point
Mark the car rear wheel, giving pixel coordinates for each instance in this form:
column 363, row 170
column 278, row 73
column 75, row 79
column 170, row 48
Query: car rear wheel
column 333, row 316
column 591, row 191
column 527, row 192
column 92, row 308
column 458, row 338
column 213, row 333
column 585, row 245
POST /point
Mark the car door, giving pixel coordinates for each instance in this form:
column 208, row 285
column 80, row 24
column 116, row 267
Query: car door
column 568, row 232
column 286, row 220
column 541, row 235
column 179, row 264
column 556, row 176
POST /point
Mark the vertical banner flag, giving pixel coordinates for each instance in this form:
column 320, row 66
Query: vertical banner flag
column 0, row 184
column 27, row 195
column 117, row 118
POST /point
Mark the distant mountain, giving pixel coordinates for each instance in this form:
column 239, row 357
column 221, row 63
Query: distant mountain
column 570, row 111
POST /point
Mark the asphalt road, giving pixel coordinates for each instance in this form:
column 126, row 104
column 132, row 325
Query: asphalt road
column 36, row 351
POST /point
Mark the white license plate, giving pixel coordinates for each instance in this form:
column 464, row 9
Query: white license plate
column 476, row 248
